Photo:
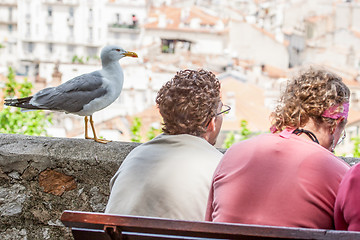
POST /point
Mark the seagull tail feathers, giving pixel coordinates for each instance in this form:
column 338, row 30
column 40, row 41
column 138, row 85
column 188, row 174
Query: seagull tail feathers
column 20, row 102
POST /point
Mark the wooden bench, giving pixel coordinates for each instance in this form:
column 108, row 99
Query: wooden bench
column 100, row 226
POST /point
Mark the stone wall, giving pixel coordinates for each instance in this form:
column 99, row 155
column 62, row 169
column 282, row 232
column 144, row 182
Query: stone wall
column 40, row 177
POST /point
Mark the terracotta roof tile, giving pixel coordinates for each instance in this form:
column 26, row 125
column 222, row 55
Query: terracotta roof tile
column 274, row 72
column 179, row 19
column 356, row 33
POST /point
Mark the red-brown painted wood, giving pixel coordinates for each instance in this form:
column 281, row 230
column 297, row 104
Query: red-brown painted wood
column 134, row 227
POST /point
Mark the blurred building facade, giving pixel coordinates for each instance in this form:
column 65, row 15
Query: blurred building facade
column 253, row 47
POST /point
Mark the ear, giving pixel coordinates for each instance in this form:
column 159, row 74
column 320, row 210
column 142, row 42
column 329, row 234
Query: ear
column 338, row 122
column 211, row 127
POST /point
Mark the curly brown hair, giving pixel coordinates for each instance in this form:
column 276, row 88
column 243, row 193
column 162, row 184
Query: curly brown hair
column 188, row 101
column 307, row 96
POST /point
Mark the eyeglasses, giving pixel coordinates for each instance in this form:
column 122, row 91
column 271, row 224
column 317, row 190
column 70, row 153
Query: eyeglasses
column 225, row 109
column 343, row 136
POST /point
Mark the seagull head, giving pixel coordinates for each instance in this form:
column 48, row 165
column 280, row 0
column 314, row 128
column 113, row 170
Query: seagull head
column 115, row 53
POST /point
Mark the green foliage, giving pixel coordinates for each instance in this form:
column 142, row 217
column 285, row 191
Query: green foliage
column 244, row 131
column 2, row 45
column 153, row 132
column 356, row 151
column 229, row 140
column 135, row 130
column 82, row 60
column 12, row 120
column 77, row 59
column 74, row 58
column 243, row 134
column 10, row 85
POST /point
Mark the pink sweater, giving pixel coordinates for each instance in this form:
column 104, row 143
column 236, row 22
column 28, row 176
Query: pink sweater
column 347, row 205
column 276, row 180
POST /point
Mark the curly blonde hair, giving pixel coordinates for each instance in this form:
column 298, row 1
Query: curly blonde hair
column 307, row 96
column 188, row 101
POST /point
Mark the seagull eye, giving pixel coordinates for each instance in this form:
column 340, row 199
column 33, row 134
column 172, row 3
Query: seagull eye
column 118, row 50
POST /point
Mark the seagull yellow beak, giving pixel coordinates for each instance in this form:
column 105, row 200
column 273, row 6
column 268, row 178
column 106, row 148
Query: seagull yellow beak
column 130, row 54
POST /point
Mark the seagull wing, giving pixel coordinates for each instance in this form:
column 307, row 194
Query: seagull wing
column 72, row 95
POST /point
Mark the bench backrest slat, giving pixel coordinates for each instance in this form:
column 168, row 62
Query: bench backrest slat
column 134, row 227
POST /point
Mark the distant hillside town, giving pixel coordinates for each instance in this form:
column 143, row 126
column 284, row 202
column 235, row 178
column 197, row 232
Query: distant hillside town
column 253, row 46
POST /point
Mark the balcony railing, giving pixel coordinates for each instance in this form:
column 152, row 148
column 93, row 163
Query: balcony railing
column 117, row 27
column 8, row 20
column 61, row 2
column 8, row 3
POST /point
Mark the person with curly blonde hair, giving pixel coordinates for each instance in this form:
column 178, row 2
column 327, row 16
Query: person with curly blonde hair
column 289, row 177
column 170, row 175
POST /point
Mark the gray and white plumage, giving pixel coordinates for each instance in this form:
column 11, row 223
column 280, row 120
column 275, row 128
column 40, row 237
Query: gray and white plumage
column 84, row 94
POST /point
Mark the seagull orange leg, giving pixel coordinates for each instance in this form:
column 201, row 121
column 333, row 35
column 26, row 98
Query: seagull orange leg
column 95, row 137
column 86, row 128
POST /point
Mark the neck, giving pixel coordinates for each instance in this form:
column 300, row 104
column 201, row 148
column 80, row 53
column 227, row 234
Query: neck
column 321, row 132
column 110, row 64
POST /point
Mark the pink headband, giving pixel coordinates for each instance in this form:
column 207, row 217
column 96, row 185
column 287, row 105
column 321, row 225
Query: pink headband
column 337, row 111
column 334, row 112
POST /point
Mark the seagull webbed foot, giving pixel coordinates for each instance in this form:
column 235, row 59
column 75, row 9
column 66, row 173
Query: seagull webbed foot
column 99, row 140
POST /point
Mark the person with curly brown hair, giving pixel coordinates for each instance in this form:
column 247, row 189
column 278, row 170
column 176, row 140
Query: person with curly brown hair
column 289, row 177
column 170, row 176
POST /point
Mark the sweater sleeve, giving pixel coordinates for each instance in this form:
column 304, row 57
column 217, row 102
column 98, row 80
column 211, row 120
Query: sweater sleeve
column 347, row 207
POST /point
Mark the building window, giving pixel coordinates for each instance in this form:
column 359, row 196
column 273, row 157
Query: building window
column 91, row 15
column 10, row 27
column 92, row 51
column 10, row 13
column 49, row 27
column 309, row 31
column 50, row 11
column 71, row 32
column 70, row 48
column 30, row 47
column 10, row 48
column 91, row 34
column 50, row 48
column 28, row 33
column 133, row 36
column 167, row 46
column 71, row 12
column 118, row 18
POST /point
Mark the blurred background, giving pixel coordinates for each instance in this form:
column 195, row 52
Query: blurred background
column 253, row 47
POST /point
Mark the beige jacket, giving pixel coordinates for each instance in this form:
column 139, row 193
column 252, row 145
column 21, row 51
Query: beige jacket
column 167, row 177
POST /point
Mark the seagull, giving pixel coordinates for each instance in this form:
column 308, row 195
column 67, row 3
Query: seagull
column 84, row 94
